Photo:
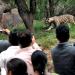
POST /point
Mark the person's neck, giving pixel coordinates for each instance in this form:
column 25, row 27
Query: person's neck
column 26, row 46
column 62, row 42
column 36, row 73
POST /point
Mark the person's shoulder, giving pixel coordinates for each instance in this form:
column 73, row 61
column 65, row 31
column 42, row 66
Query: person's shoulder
column 36, row 46
column 13, row 47
column 54, row 48
column 71, row 49
column 3, row 40
column 53, row 74
column 48, row 73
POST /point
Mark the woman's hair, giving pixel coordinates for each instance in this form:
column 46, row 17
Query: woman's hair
column 17, row 67
column 39, row 61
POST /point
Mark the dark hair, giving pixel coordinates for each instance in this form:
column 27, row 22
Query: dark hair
column 62, row 33
column 17, row 67
column 39, row 61
column 25, row 38
column 13, row 38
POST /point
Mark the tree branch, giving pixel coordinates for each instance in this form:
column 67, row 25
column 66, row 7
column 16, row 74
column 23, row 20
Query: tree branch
column 22, row 6
column 51, row 7
column 56, row 2
column 32, row 6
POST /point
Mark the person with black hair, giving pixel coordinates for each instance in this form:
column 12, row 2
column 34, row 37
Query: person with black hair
column 4, row 44
column 16, row 67
column 10, row 52
column 39, row 62
column 27, row 41
column 13, row 39
column 64, row 53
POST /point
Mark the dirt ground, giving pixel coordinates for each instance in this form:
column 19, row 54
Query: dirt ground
column 50, row 63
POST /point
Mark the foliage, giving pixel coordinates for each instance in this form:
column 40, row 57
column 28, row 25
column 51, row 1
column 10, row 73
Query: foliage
column 65, row 6
column 11, row 3
column 40, row 10
column 60, row 6
column 72, row 29
column 45, row 39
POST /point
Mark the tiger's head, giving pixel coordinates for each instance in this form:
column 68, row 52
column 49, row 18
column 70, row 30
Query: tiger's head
column 49, row 20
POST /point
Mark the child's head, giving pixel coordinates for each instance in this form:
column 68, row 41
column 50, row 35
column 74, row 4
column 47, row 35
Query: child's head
column 16, row 67
column 39, row 61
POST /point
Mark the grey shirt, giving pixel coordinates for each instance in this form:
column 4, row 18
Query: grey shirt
column 64, row 59
column 4, row 44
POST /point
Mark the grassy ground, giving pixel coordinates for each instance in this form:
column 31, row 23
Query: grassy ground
column 45, row 39
column 48, row 39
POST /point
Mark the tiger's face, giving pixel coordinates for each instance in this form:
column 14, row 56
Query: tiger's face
column 49, row 20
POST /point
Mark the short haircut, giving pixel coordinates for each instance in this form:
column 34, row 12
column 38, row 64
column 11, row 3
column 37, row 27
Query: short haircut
column 17, row 67
column 39, row 61
column 25, row 38
column 62, row 33
column 13, row 38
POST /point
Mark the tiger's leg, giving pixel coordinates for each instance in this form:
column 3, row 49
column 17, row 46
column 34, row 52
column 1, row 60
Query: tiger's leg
column 69, row 25
column 52, row 26
column 72, row 20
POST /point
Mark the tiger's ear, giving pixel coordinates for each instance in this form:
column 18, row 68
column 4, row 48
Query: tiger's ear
column 10, row 73
column 47, row 20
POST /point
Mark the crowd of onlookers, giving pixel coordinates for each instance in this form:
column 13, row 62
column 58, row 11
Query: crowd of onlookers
column 23, row 56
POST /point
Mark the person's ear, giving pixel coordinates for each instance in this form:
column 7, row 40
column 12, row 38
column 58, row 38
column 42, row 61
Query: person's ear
column 9, row 73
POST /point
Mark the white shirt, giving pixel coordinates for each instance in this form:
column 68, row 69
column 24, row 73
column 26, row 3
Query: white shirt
column 7, row 55
column 16, row 52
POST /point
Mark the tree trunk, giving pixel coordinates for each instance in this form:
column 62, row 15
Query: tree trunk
column 51, row 7
column 47, row 12
column 26, row 14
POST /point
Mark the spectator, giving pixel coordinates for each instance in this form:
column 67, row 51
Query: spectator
column 39, row 62
column 26, row 44
column 4, row 44
column 10, row 52
column 16, row 67
column 64, row 53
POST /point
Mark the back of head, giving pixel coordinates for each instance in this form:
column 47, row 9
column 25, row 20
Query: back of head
column 16, row 67
column 25, row 38
column 13, row 38
column 62, row 33
column 39, row 61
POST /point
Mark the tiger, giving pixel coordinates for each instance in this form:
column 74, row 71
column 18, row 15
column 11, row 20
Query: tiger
column 55, row 21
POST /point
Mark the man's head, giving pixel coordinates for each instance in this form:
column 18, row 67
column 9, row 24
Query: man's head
column 13, row 38
column 62, row 33
column 25, row 38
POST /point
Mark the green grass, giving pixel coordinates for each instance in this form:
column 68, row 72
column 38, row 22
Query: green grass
column 72, row 31
column 43, row 38
column 48, row 39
